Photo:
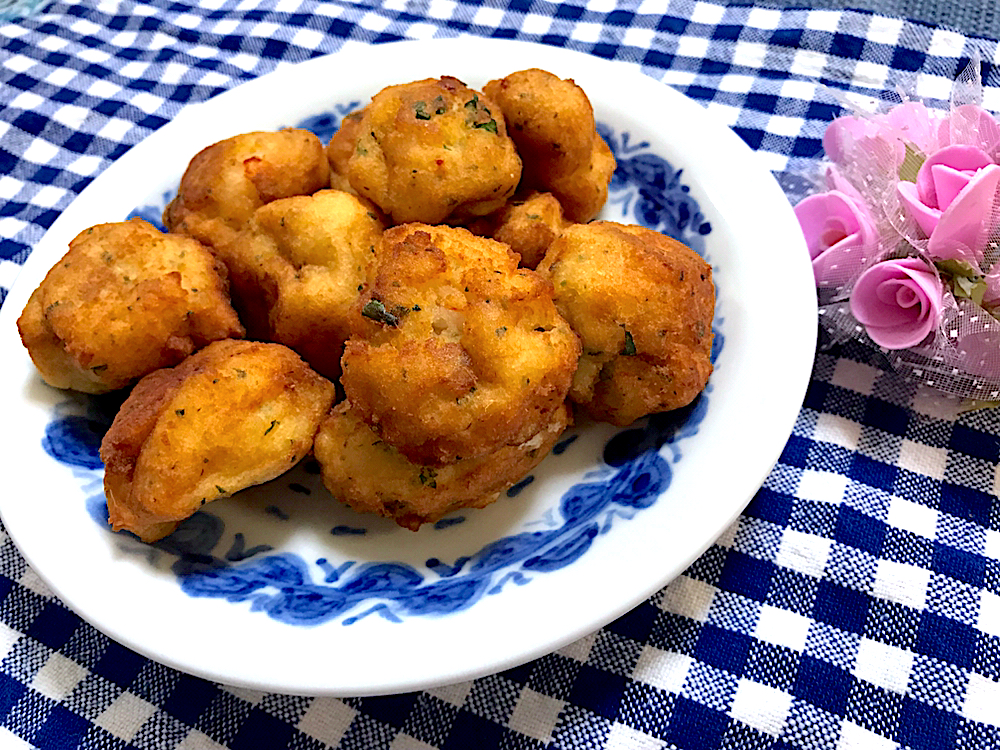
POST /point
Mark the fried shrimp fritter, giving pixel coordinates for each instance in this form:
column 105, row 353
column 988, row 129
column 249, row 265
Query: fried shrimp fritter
column 225, row 183
column 297, row 269
column 552, row 123
column 642, row 304
column 125, row 300
column 235, row 414
column 432, row 151
column 528, row 225
column 371, row 476
column 456, row 351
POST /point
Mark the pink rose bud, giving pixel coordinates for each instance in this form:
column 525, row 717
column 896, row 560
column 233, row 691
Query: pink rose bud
column 898, row 302
column 952, row 200
column 839, row 233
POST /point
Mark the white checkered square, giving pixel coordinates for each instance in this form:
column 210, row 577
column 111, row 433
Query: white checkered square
column 910, row 516
column 692, row 47
column 762, row 707
column 806, row 553
column 666, row 670
column 454, row 695
column 946, row 43
column 901, row 583
column 621, row 737
column 763, row 18
column 579, row 649
column 870, row 74
column 989, row 613
column 125, row 716
column 884, row 30
column 808, row 63
column 688, row 597
column 822, row 486
column 707, row 13
column 327, row 719
column 856, row 737
column 637, row 37
column 855, row 376
column 831, row 428
column 535, row 715
column 195, row 740
column 782, row 627
column 883, row 665
column 586, row 32
column 982, row 700
column 10, row 741
column 488, row 16
column 536, row 24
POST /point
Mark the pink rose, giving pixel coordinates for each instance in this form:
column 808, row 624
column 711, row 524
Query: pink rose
column 840, row 235
column 865, row 144
column 898, row 302
column 970, row 124
column 952, row 201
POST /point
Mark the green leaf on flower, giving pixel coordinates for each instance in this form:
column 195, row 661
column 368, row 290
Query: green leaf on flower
column 911, row 164
column 964, row 279
column 975, row 404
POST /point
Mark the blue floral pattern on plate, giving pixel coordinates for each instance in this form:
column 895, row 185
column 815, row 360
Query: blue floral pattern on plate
column 645, row 188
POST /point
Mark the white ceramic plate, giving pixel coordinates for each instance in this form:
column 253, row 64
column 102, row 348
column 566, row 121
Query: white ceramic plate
column 307, row 597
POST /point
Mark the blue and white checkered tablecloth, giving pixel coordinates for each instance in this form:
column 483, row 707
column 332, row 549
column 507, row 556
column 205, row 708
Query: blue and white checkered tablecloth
column 855, row 603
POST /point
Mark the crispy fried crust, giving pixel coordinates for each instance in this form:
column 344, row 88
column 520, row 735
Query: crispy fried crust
column 528, row 224
column 552, row 123
column 297, row 270
column 455, row 350
column 235, row 414
column 226, row 182
column 125, row 300
column 370, row 476
column 642, row 304
column 431, row 151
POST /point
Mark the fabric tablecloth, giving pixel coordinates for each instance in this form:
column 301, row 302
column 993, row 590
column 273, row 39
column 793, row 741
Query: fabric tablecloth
column 854, row 604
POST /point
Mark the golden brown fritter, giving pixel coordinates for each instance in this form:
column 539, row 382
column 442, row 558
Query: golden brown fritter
column 528, row 225
column 584, row 192
column 370, row 476
column 340, row 149
column 297, row 270
column 125, row 300
column 456, row 351
column 432, row 151
column 225, row 183
column 552, row 123
column 236, row 414
column 642, row 304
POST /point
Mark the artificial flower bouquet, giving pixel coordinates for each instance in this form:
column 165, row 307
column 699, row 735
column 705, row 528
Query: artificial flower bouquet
column 905, row 238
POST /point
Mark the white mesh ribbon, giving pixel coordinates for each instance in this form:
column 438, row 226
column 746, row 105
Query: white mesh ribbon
column 904, row 238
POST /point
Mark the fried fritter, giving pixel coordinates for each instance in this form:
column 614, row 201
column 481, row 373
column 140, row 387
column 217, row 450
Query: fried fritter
column 642, row 304
column 340, row 149
column 432, row 151
column 456, row 352
column 236, row 414
column 528, row 225
column 225, row 183
column 371, row 476
column 552, row 123
column 297, row 269
column 125, row 300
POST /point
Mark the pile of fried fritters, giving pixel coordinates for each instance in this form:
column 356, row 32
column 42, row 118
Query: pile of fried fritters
column 420, row 303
